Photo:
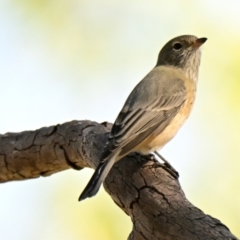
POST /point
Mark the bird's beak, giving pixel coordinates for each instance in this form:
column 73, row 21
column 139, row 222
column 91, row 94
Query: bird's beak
column 199, row 42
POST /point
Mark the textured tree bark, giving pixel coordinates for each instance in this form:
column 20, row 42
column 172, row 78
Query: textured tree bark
column 141, row 187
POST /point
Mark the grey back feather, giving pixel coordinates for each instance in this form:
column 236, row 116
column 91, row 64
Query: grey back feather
column 154, row 101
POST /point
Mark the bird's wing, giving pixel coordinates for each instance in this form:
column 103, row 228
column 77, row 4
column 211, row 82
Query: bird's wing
column 152, row 104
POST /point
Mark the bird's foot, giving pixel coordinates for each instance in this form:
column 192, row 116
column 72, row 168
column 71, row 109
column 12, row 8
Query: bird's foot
column 167, row 166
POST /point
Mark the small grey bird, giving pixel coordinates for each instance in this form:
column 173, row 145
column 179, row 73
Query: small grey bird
column 156, row 108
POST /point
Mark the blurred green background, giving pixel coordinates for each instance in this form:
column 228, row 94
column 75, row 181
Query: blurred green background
column 79, row 59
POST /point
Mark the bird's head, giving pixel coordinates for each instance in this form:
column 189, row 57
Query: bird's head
column 182, row 52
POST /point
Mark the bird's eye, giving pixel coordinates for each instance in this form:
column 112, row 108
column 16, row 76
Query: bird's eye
column 177, row 46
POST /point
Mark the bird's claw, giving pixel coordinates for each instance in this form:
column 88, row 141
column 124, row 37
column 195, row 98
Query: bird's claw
column 167, row 166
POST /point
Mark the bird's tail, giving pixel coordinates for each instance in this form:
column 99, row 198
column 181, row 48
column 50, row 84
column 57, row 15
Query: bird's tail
column 97, row 178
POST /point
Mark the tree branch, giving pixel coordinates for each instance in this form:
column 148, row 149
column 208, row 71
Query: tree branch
column 141, row 187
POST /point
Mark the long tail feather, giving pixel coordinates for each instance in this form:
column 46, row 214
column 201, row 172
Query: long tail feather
column 97, row 178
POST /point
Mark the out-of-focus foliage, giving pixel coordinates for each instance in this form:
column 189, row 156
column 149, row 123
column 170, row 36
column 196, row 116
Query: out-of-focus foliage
column 63, row 60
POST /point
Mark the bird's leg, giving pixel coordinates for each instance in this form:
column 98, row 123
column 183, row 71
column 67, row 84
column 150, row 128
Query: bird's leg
column 168, row 166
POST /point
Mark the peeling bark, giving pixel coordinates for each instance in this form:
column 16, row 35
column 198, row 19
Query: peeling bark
column 141, row 187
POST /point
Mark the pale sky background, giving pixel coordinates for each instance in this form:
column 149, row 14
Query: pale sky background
column 65, row 60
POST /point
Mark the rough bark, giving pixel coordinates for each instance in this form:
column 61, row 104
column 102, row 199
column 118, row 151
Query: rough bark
column 139, row 186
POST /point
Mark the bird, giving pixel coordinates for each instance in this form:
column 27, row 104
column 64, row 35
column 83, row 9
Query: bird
column 155, row 109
